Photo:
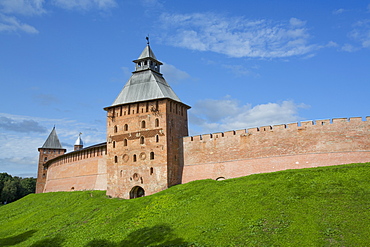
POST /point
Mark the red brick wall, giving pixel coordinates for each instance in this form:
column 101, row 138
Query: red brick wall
column 81, row 170
column 45, row 154
column 272, row 148
column 162, row 132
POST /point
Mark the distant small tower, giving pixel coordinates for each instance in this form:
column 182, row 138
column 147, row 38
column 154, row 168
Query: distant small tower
column 51, row 149
column 79, row 143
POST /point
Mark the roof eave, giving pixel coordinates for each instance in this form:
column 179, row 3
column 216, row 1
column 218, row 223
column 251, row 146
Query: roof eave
column 134, row 102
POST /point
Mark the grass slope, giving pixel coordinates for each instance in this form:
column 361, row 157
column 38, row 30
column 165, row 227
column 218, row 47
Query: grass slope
column 327, row 206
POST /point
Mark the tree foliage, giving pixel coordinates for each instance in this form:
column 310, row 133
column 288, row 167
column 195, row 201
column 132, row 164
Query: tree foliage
column 14, row 188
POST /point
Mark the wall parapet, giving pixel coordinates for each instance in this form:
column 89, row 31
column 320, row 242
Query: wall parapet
column 85, row 153
column 295, row 145
column 278, row 127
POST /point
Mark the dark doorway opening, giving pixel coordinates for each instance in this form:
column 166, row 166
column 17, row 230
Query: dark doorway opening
column 136, row 192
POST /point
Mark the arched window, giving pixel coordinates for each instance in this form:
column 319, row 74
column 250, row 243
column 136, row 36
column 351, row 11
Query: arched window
column 152, row 155
column 115, row 129
column 142, row 140
column 114, row 144
column 156, row 122
column 134, row 158
column 157, row 138
column 151, row 170
column 125, row 127
column 143, row 124
column 125, row 142
column 115, row 159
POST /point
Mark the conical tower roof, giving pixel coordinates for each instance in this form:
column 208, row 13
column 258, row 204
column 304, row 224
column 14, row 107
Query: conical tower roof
column 53, row 141
column 147, row 52
column 146, row 82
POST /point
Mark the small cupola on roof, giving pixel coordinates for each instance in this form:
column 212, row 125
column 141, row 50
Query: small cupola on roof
column 146, row 82
column 79, row 143
column 147, row 60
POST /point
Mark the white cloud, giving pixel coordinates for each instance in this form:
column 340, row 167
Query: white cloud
column 23, row 126
column 236, row 36
column 85, row 4
column 173, row 74
column 361, row 33
column 338, row 11
column 332, row 44
column 9, row 9
column 23, row 7
column 348, row 48
column 12, row 24
column 296, row 22
column 209, row 116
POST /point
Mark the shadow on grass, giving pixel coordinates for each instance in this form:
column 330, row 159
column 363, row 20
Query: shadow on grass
column 160, row 235
column 49, row 242
column 13, row 240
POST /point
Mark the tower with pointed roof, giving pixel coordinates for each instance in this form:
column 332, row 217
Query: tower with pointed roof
column 145, row 125
column 79, row 143
column 51, row 149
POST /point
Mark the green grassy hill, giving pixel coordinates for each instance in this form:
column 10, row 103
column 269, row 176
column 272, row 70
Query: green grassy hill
column 327, row 206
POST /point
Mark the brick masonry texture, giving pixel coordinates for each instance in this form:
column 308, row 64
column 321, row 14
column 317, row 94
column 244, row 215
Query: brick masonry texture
column 180, row 159
column 273, row 148
column 80, row 170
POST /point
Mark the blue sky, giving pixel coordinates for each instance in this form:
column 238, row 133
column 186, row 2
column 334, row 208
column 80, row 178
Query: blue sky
column 238, row 63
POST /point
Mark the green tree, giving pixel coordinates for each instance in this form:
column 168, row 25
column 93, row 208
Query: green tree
column 28, row 186
column 9, row 192
column 3, row 177
column 14, row 188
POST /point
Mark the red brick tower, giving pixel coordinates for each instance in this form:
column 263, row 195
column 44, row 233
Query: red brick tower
column 51, row 149
column 145, row 126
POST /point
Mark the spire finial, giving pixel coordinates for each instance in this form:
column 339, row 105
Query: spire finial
column 147, row 39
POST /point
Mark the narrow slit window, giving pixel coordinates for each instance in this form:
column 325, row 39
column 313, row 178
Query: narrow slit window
column 142, row 140
column 156, row 122
column 152, row 155
column 134, row 158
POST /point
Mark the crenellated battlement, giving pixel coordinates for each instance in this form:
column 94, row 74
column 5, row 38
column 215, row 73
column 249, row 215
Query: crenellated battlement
column 280, row 127
column 296, row 145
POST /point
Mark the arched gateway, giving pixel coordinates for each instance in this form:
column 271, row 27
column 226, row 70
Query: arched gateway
column 136, row 192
